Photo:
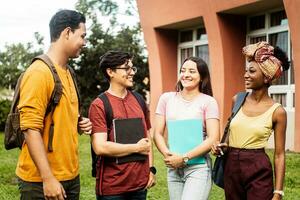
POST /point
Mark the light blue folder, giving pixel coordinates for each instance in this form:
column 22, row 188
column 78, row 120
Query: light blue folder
column 185, row 135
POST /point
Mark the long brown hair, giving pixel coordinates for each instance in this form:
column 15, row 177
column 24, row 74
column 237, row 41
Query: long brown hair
column 205, row 84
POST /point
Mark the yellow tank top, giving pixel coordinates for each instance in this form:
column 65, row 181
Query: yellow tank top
column 251, row 132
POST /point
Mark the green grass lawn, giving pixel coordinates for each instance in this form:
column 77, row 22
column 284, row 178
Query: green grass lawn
column 9, row 188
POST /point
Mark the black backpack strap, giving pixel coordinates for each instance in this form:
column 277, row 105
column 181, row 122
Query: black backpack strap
column 108, row 110
column 241, row 97
column 141, row 101
column 108, row 117
column 55, row 96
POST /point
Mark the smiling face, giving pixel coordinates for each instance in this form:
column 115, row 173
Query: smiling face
column 254, row 78
column 123, row 74
column 76, row 40
column 189, row 75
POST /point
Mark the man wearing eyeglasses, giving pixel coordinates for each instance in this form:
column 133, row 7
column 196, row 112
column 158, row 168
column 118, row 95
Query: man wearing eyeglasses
column 129, row 180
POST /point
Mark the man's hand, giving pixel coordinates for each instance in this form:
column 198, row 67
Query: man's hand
column 143, row 146
column 151, row 181
column 85, row 125
column 53, row 190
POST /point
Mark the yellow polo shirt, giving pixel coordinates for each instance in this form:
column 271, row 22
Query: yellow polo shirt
column 35, row 91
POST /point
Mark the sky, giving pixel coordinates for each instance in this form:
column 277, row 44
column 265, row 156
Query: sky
column 20, row 19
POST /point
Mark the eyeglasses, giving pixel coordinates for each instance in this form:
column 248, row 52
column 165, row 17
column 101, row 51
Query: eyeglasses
column 127, row 69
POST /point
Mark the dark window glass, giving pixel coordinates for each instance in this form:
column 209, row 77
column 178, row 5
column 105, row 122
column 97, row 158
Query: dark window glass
column 280, row 40
column 294, row 100
column 202, row 52
column 186, row 36
column 278, row 18
column 185, row 53
column 292, row 73
column 257, row 39
column 201, row 34
column 292, row 66
column 283, row 80
column 257, row 22
column 279, row 98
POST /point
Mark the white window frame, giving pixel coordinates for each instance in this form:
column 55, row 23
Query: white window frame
column 189, row 44
column 288, row 89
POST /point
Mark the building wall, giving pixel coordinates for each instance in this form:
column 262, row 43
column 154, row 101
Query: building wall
column 225, row 24
column 293, row 14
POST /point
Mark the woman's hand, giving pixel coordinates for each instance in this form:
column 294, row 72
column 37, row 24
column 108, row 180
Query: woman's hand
column 277, row 197
column 217, row 149
column 173, row 160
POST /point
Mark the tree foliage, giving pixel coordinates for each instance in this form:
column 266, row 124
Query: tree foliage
column 4, row 110
column 14, row 60
column 17, row 57
column 101, row 40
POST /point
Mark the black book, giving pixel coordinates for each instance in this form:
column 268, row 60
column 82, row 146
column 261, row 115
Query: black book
column 129, row 131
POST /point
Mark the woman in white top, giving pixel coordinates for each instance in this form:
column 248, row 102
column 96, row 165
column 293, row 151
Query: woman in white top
column 192, row 100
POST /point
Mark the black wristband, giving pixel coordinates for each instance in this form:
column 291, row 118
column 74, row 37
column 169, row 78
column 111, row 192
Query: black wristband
column 153, row 170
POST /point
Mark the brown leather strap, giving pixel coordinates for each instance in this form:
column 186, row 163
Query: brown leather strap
column 55, row 96
column 16, row 98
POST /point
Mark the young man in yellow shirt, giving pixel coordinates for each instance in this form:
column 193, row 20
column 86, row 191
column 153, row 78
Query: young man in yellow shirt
column 43, row 174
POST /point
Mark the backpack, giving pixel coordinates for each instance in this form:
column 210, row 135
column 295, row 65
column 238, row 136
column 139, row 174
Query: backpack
column 219, row 164
column 109, row 119
column 14, row 137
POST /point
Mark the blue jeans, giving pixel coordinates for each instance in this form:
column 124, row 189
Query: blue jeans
column 192, row 182
column 135, row 195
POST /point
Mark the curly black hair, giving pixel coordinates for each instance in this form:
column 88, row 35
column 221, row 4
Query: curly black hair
column 282, row 56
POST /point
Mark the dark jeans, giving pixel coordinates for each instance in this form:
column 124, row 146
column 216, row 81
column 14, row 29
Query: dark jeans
column 34, row 190
column 136, row 195
column 248, row 175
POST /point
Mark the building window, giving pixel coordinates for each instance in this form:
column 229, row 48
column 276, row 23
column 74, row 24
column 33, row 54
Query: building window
column 280, row 98
column 278, row 18
column 185, row 53
column 273, row 27
column 201, row 34
column 257, row 22
column 193, row 42
column 186, row 36
column 202, row 52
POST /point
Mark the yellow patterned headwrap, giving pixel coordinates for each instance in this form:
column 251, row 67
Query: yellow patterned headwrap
column 263, row 54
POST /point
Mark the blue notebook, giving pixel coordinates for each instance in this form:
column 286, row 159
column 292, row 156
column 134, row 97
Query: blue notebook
column 185, row 135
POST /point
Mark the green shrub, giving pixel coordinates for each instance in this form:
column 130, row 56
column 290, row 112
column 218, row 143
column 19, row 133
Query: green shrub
column 4, row 110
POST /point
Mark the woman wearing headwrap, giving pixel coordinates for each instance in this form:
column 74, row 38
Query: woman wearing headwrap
column 248, row 172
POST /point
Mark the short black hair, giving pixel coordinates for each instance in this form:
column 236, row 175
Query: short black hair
column 63, row 19
column 112, row 59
